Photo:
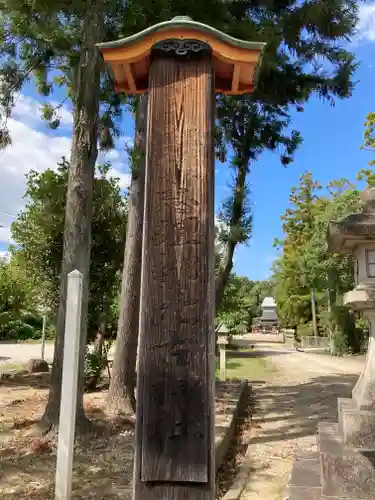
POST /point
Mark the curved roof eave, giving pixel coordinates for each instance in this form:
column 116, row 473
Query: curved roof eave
column 183, row 22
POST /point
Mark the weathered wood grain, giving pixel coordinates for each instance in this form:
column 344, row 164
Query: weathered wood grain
column 175, row 403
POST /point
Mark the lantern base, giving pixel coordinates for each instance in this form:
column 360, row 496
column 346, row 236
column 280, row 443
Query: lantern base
column 336, row 472
column 344, row 467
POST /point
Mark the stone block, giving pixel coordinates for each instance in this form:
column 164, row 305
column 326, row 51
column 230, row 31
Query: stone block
column 346, row 473
column 304, row 493
column 305, row 480
column 344, row 404
column 36, row 365
column 306, row 472
column 358, row 428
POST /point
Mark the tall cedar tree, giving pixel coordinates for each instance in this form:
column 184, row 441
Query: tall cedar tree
column 55, row 44
column 61, row 36
column 121, row 392
column 304, row 55
column 249, row 124
column 304, row 262
column 298, row 36
column 140, row 16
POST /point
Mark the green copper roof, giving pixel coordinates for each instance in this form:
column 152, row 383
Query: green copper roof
column 183, row 22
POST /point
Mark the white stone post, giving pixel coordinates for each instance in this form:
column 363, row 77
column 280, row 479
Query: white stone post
column 43, row 336
column 65, row 446
column 222, row 343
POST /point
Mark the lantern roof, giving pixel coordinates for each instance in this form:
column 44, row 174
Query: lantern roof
column 235, row 61
column 268, row 302
column 355, row 229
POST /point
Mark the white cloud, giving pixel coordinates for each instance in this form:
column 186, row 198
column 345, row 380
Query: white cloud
column 28, row 110
column 4, row 255
column 366, row 25
column 65, row 115
column 124, row 178
column 34, row 147
column 5, row 235
column 30, row 149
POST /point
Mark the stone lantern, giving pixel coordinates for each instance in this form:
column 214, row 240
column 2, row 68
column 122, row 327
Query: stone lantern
column 344, row 467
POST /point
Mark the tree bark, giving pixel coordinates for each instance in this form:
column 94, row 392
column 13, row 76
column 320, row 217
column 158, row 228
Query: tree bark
column 226, row 264
column 99, row 340
column 78, row 215
column 121, row 395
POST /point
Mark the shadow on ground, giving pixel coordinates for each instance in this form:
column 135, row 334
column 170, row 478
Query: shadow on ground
column 35, row 380
column 255, row 353
column 299, row 408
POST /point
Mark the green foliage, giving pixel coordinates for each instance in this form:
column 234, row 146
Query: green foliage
column 340, row 344
column 95, row 363
column 43, row 42
column 305, row 263
column 241, row 303
column 38, row 233
column 16, row 290
column 297, row 35
column 367, row 174
column 18, row 327
column 18, row 298
column 47, row 42
column 346, row 328
column 13, row 328
column 304, row 330
column 369, row 143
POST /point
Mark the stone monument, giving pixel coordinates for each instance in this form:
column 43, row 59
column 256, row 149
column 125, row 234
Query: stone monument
column 344, row 467
column 182, row 65
column 268, row 322
column 269, row 310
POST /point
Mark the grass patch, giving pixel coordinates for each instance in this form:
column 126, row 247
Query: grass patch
column 7, row 367
column 35, row 341
column 244, row 364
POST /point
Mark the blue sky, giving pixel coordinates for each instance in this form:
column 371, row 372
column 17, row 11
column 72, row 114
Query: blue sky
column 332, row 137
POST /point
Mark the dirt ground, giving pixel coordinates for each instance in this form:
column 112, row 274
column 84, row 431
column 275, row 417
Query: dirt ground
column 103, row 461
column 302, row 390
column 290, row 399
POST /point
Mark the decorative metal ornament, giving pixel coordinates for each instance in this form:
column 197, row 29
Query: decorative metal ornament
column 181, row 48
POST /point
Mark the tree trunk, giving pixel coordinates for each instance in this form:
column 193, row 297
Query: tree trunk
column 121, row 395
column 99, row 340
column 78, row 215
column 226, row 264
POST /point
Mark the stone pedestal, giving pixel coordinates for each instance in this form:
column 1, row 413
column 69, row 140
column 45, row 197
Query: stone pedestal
column 344, row 467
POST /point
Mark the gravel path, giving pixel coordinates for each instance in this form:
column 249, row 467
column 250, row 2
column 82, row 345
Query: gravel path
column 302, row 390
column 21, row 353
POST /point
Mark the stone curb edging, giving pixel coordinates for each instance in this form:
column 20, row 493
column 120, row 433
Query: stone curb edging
column 236, row 490
column 222, row 446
